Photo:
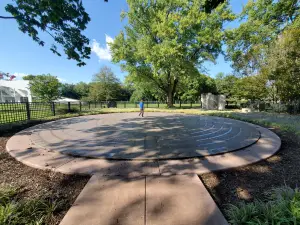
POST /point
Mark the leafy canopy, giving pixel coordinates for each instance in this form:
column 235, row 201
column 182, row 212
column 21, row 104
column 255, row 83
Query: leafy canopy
column 262, row 22
column 63, row 20
column 166, row 40
column 44, row 87
column 105, row 85
column 283, row 64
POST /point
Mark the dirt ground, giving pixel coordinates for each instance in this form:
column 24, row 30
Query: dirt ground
column 34, row 183
column 253, row 181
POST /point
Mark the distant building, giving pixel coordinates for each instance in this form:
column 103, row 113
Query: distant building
column 15, row 91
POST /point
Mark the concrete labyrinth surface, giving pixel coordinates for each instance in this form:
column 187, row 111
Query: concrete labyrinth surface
column 144, row 169
column 157, row 136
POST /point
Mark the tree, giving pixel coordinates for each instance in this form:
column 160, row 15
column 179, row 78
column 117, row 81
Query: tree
column 283, row 64
column 264, row 21
column 44, row 87
column 82, row 89
column 68, row 91
column 29, row 77
column 251, row 88
column 166, row 41
column 63, row 20
column 225, row 84
column 124, row 93
column 105, row 85
column 191, row 88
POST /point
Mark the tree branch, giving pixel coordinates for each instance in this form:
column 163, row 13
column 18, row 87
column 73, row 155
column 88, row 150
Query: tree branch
column 8, row 17
column 50, row 34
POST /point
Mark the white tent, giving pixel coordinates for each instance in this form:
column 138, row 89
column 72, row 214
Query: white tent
column 66, row 100
column 15, row 91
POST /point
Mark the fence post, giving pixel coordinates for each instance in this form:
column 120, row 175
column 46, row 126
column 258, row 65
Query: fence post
column 53, row 108
column 28, row 110
column 89, row 105
column 179, row 103
column 80, row 106
column 69, row 107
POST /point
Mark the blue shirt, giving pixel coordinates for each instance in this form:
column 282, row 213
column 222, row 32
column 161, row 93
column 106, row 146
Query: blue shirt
column 141, row 105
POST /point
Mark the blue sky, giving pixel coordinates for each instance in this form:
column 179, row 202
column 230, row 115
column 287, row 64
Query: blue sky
column 20, row 55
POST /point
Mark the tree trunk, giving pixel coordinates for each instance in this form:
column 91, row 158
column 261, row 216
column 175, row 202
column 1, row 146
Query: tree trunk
column 170, row 98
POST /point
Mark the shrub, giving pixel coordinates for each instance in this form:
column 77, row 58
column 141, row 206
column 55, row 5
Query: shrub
column 281, row 207
column 14, row 211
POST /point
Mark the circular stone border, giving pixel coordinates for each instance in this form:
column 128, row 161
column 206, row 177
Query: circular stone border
column 20, row 147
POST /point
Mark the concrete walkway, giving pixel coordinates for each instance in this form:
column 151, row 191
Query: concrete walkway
column 151, row 200
column 156, row 191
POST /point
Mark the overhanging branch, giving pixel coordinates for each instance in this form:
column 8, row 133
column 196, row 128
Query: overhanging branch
column 8, row 17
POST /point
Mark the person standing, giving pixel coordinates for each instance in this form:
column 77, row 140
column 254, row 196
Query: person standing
column 141, row 108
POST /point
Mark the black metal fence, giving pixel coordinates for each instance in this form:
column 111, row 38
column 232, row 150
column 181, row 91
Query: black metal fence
column 27, row 111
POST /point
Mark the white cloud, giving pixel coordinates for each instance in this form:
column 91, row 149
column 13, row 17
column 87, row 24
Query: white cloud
column 102, row 53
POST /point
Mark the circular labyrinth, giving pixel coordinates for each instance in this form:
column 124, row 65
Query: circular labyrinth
column 156, row 136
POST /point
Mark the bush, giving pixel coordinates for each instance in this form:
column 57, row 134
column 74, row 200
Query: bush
column 14, row 211
column 62, row 111
column 281, row 207
column 232, row 107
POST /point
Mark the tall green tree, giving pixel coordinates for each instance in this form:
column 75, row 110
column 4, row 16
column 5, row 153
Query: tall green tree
column 45, row 87
column 251, row 88
column 166, row 40
column 191, row 88
column 82, row 89
column 63, row 20
column 68, row 91
column 283, row 65
column 261, row 23
column 225, row 84
column 105, row 85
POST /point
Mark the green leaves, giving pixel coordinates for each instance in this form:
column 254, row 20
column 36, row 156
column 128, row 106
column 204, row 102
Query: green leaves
column 282, row 64
column 62, row 20
column 262, row 22
column 44, row 87
column 105, row 86
column 166, row 40
column 282, row 208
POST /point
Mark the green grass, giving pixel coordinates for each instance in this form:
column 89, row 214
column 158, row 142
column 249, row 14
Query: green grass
column 15, row 211
column 281, row 207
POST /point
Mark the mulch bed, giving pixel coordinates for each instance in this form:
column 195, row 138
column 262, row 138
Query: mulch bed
column 253, row 181
column 35, row 183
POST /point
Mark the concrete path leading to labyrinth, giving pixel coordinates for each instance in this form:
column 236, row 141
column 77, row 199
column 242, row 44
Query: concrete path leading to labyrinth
column 151, row 200
column 143, row 169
